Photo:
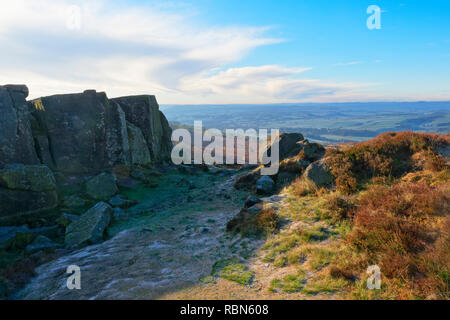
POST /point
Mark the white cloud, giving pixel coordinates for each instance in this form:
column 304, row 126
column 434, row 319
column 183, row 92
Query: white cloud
column 158, row 50
column 265, row 84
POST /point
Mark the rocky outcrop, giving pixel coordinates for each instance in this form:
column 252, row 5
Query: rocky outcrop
column 90, row 227
column 80, row 133
column 74, row 135
column 291, row 144
column 16, row 140
column 319, row 173
column 26, row 189
column 143, row 112
column 88, row 133
column 288, row 146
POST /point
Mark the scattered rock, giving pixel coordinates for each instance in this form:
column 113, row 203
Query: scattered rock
column 41, row 243
column 26, row 189
column 319, row 173
column 89, row 229
column 139, row 175
column 73, row 201
column 102, row 187
column 121, row 202
column 251, row 201
column 265, row 185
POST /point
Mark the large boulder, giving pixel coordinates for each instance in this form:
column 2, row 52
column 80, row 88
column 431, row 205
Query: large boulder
column 288, row 145
column 80, row 133
column 26, row 189
column 90, row 227
column 16, row 140
column 319, row 173
column 265, row 185
column 102, row 187
column 291, row 144
column 143, row 112
column 140, row 155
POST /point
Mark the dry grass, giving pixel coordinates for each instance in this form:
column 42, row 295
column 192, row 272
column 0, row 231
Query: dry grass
column 247, row 223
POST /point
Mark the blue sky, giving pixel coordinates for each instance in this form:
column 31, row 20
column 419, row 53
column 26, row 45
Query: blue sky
column 211, row 51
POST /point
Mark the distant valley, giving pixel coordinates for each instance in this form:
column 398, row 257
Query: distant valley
column 326, row 123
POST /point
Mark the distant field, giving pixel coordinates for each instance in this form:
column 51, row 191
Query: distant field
column 325, row 123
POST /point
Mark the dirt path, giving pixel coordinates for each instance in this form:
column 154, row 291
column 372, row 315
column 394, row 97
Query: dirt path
column 170, row 252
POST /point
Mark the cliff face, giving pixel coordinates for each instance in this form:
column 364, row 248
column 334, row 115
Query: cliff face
column 78, row 134
column 88, row 133
column 16, row 141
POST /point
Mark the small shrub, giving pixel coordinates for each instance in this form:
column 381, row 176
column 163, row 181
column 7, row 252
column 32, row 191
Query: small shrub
column 338, row 272
column 280, row 262
column 268, row 221
column 340, row 208
column 302, row 187
column 248, row 224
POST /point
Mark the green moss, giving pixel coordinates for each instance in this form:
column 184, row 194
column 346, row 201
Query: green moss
column 219, row 265
column 237, row 273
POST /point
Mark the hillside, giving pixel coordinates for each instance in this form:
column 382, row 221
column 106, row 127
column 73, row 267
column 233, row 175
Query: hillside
column 388, row 206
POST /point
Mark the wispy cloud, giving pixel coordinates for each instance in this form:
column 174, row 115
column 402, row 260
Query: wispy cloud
column 125, row 49
column 265, row 84
column 351, row 63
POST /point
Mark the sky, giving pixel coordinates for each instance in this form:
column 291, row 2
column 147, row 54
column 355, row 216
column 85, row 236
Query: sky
column 229, row 51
